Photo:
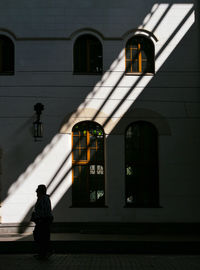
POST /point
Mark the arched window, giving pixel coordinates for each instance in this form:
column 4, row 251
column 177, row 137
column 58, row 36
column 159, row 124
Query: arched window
column 139, row 55
column 87, row 55
column 141, row 165
column 88, row 187
column 6, row 55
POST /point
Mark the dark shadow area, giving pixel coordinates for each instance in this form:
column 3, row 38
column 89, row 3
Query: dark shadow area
column 22, row 154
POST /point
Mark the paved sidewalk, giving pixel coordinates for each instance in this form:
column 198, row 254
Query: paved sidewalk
column 100, row 262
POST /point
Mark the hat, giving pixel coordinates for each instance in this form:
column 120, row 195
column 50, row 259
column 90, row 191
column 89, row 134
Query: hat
column 42, row 189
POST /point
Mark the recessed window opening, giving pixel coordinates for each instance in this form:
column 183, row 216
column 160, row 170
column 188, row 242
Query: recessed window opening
column 88, row 184
column 88, row 55
column 139, row 54
column 6, row 56
column 141, row 165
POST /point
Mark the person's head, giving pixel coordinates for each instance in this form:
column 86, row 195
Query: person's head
column 41, row 190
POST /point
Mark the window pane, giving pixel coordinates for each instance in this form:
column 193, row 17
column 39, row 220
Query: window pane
column 100, row 194
column 83, row 154
column 135, row 53
column 83, row 132
column 83, row 173
column 99, row 155
column 129, row 170
column 92, row 195
column 80, row 57
column 130, row 199
column 143, row 55
column 100, row 169
column 135, row 67
column 144, row 66
column 99, row 134
column 136, row 131
column 83, row 142
column 93, row 154
column 95, row 57
column 93, row 131
column 1, row 55
column 129, row 133
column 6, row 55
column 75, row 141
column 100, row 143
column 92, row 169
column 128, row 53
column 75, row 132
column 128, row 66
column 76, row 171
column 76, row 154
column 92, row 141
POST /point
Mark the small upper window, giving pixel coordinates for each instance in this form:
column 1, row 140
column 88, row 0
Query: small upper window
column 87, row 55
column 6, row 56
column 139, row 55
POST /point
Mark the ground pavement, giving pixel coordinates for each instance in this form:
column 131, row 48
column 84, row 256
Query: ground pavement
column 101, row 262
column 74, row 251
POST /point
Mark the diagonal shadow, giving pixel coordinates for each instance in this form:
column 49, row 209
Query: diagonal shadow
column 77, row 113
column 117, row 107
column 131, row 89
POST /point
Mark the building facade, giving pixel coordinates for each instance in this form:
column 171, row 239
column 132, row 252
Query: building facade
column 119, row 84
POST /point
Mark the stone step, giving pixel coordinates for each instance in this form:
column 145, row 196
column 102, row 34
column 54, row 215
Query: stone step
column 105, row 243
column 122, row 247
column 106, row 227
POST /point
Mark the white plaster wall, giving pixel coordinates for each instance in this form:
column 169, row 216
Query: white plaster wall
column 43, row 33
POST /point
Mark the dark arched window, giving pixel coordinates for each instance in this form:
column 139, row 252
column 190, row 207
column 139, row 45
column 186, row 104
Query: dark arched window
column 88, row 186
column 141, row 165
column 87, row 55
column 6, row 56
column 139, row 55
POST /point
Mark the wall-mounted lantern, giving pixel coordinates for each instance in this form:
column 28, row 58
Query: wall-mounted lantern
column 37, row 125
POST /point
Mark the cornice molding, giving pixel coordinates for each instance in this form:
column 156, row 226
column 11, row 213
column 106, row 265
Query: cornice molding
column 77, row 33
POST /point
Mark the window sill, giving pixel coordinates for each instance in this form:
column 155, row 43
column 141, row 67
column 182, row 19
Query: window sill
column 139, row 74
column 89, row 206
column 144, row 207
column 88, row 73
column 6, row 73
